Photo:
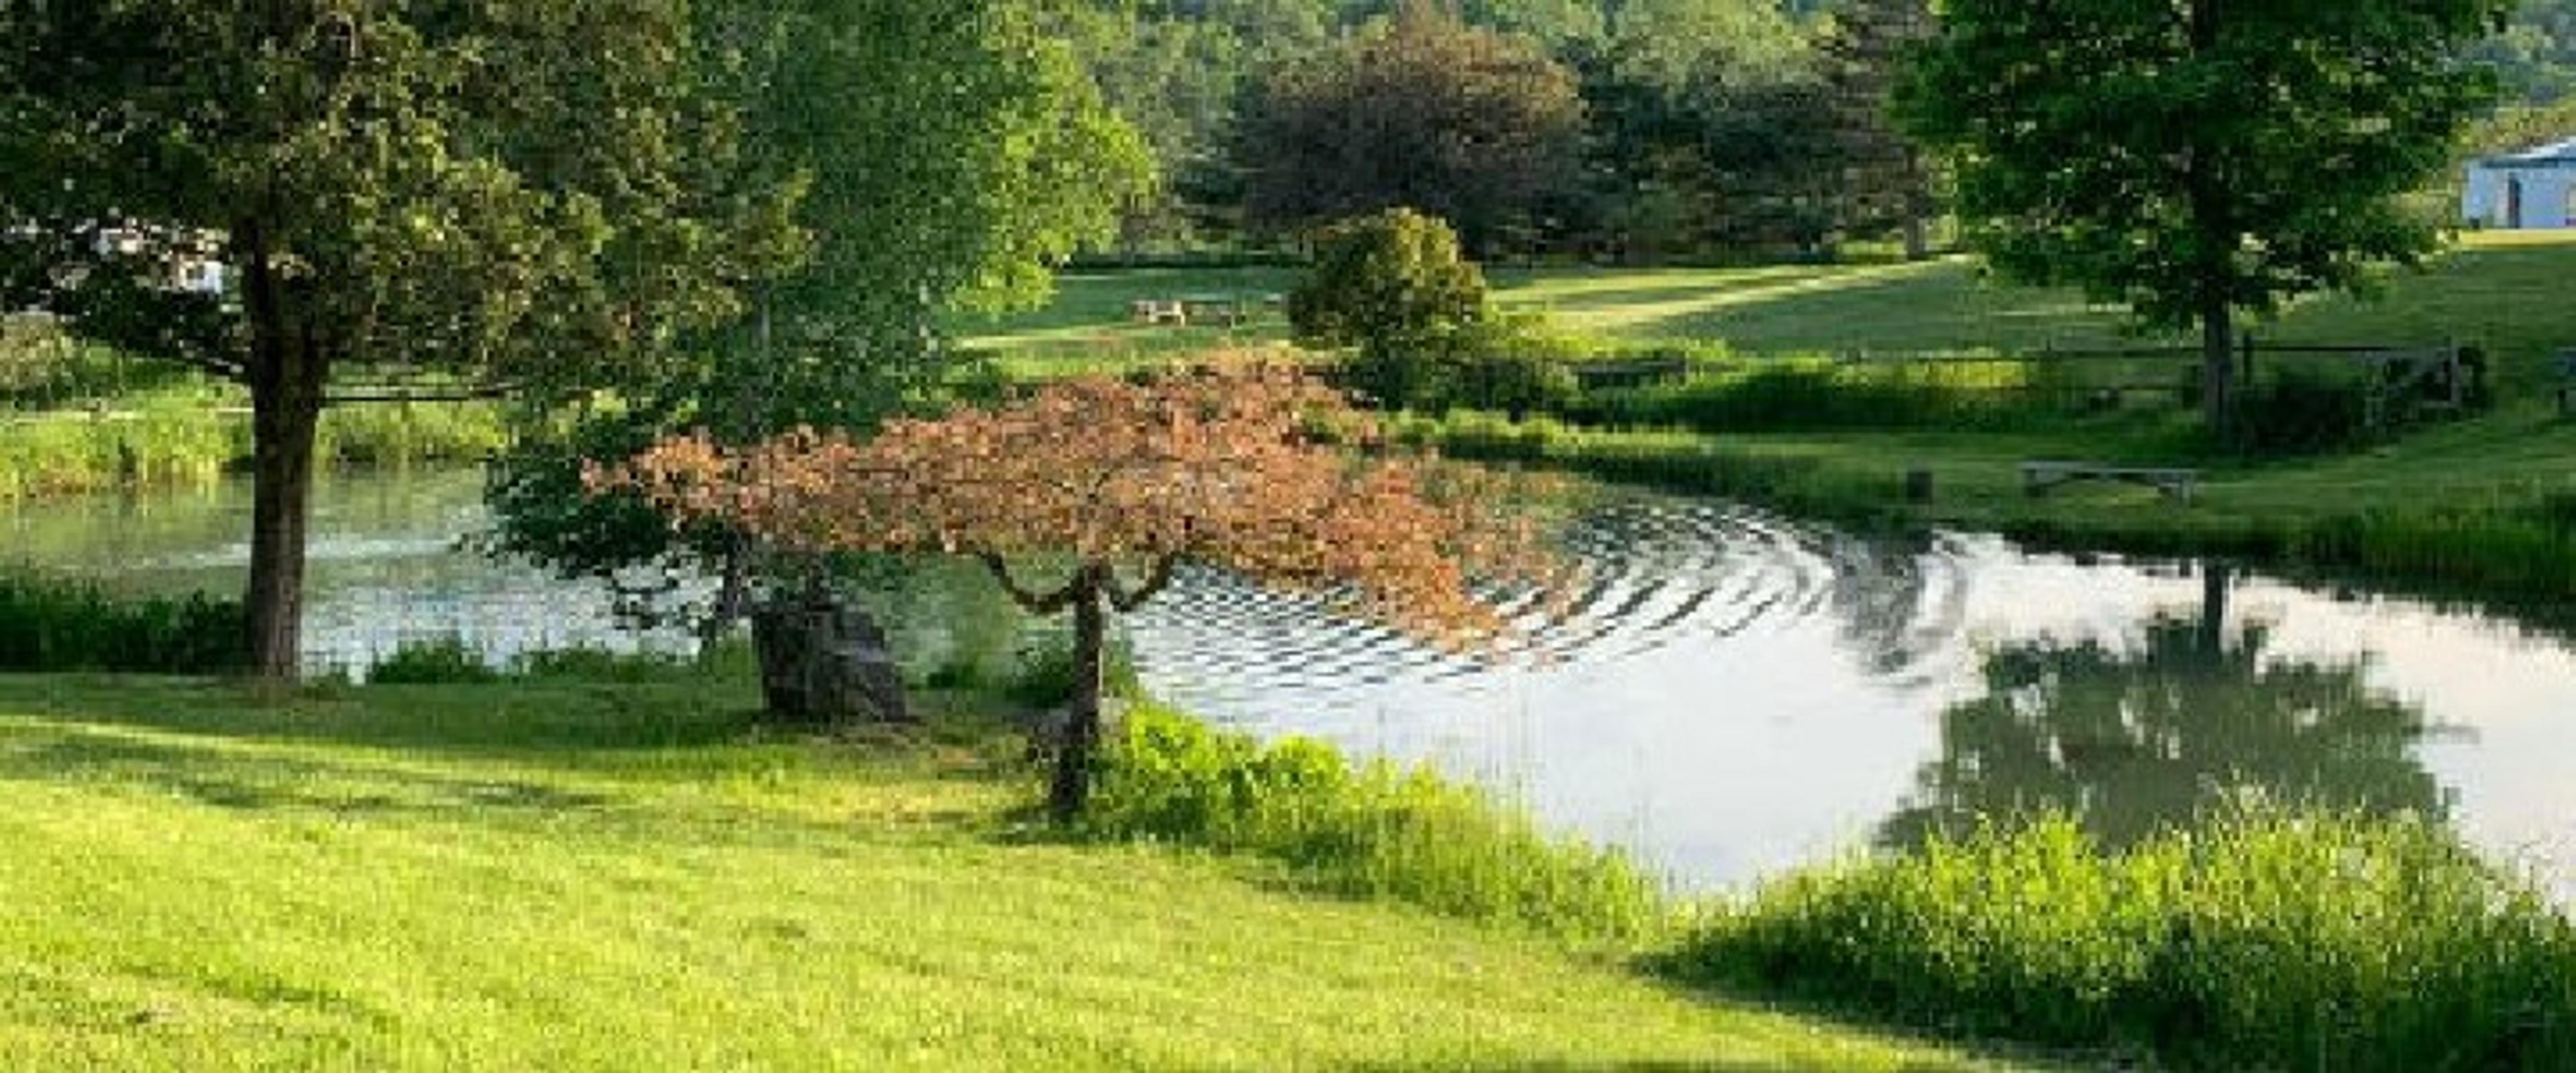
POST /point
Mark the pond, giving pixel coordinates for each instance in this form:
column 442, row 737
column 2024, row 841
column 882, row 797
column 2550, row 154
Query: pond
column 1728, row 693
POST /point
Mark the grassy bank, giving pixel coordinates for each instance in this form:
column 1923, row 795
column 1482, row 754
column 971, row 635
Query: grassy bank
column 177, row 437
column 2483, row 509
column 2258, row 942
column 566, row 875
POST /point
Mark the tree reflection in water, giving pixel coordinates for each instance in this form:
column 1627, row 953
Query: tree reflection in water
column 2140, row 738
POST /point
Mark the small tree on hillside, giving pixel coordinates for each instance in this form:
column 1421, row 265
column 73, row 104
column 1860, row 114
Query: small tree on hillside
column 1119, row 484
column 2198, row 158
column 1395, row 285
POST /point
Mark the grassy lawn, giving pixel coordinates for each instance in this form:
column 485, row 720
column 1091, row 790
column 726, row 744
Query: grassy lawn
column 571, row 876
column 2509, row 292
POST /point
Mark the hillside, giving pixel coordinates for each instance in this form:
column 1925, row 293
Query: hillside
column 623, row 877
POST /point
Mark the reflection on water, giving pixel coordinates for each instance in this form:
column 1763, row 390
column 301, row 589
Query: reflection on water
column 1725, row 692
column 2151, row 733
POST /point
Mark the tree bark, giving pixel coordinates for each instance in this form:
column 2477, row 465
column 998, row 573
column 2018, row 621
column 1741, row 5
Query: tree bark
column 2218, row 367
column 287, row 373
column 286, row 410
column 1071, row 789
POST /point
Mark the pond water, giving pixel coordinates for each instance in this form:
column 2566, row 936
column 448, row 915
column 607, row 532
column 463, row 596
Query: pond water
column 1727, row 693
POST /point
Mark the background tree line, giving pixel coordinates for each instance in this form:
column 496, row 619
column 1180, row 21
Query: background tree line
column 1633, row 130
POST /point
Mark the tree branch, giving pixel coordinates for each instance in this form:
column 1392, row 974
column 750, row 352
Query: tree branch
column 1127, row 601
column 1030, row 601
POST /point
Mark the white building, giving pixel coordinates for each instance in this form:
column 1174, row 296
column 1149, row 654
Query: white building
column 2533, row 190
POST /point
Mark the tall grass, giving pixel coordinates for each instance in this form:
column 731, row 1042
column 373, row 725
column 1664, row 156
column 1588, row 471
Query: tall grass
column 49, row 626
column 2264, row 940
column 1364, row 830
column 1811, row 394
column 192, row 435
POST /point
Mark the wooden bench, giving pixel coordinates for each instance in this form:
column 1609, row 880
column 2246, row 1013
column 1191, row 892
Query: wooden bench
column 1597, row 375
column 2038, row 478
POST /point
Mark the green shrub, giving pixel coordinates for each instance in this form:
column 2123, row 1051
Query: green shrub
column 1043, row 671
column 1394, row 285
column 444, row 661
column 2265, row 941
column 52, row 627
column 1371, row 831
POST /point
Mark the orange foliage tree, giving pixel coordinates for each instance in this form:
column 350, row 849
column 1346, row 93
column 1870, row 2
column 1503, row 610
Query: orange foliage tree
column 1105, row 487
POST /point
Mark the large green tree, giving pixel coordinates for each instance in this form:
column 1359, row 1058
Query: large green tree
column 947, row 156
column 2195, row 159
column 1422, row 111
column 478, row 188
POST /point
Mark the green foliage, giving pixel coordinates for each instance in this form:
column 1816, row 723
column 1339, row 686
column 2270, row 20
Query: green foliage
column 1385, row 279
column 1395, row 285
column 1043, row 673
column 49, row 626
column 192, row 436
column 1479, row 128
column 1369, row 831
column 945, row 156
column 2264, row 940
column 2194, row 160
column 437, row 662
column 450, row 661
column 1778, row 394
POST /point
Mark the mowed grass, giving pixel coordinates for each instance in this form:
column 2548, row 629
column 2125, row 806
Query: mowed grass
column 552, row 875
column 2511, row 293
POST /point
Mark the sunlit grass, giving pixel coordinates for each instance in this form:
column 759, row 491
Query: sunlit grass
column 561, row 875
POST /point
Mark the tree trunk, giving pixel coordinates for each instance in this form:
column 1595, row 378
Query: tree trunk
column 1073, row 758
column 286, row 409
column 2218, row 367
column 2215, row 579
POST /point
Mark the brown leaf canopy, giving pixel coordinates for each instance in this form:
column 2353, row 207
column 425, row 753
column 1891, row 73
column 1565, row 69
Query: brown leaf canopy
column 1243, row 468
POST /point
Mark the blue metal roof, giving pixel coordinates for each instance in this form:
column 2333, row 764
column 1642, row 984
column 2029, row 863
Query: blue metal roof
column 2554, row 155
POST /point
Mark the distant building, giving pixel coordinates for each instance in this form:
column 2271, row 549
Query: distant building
column 2527, row 191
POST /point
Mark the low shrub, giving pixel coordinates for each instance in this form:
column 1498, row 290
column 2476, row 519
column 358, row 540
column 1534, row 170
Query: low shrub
column 451, row 661
column 1363, row 830
column 54, row 627
column 2263, row 941
column 1042, row 672
column 439, row 662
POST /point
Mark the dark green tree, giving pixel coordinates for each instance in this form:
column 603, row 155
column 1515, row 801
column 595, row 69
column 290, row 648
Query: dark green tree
column 2195, row 159
column 480, row 189
column 1479, row 128
column 1886, row 181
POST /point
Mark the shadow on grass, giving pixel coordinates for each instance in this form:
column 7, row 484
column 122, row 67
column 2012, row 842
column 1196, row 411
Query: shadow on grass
column 234, row 779
column 1720, row 1065
column 525, row 719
